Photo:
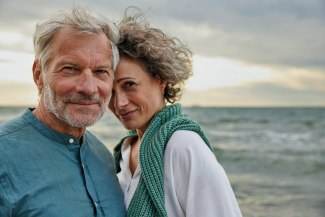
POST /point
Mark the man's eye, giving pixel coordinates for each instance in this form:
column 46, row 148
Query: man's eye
column 99, row 72
column 70, row 69
column 103, row 73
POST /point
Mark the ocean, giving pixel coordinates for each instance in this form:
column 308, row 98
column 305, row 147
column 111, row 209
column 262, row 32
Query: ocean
column 274, row 157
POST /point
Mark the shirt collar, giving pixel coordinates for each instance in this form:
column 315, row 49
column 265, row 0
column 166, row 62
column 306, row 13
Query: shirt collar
column 71, row 142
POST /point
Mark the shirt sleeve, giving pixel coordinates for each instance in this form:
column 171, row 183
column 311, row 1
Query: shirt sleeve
column 200, row 182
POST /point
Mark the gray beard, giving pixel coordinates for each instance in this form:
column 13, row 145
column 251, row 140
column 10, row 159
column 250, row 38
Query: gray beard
column 59, row 109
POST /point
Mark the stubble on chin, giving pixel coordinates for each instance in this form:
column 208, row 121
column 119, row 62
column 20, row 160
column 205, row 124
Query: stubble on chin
column 63, row 109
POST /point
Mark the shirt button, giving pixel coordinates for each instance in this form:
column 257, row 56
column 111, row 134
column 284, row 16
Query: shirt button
column 96, row 205
column 83, row 165
column 71, row 140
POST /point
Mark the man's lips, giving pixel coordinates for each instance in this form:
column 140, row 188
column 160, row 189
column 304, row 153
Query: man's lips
column 85, row 103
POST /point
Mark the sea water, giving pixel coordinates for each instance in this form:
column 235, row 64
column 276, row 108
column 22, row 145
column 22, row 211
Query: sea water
column 274, row 157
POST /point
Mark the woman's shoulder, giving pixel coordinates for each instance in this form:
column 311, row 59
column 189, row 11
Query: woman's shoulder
column 187, row 142
column 185, row 136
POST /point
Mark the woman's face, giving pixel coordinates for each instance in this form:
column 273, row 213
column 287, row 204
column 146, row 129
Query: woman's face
column 136, row 97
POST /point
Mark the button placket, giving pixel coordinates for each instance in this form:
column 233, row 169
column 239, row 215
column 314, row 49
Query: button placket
column 72, row 143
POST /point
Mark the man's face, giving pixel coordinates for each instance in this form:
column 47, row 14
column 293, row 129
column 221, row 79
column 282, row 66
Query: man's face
column 79, row 78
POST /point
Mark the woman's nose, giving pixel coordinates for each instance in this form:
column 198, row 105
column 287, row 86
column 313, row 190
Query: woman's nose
column 120, row 99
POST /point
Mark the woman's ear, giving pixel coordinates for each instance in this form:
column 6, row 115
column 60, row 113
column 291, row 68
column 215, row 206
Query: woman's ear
column 162, row 85
column 37, row 75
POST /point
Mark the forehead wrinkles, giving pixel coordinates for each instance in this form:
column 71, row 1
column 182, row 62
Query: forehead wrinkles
column 71, row 38
column 95, row 56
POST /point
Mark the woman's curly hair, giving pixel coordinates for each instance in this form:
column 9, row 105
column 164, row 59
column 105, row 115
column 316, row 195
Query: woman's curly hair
column 163, row 57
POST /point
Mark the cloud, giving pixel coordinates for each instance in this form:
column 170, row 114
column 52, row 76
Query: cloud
column 17, row 94
column 286, row 37
column 259, row 94
column 16, row 66
column 271, row 32
column 281, row 86
column 281, row 41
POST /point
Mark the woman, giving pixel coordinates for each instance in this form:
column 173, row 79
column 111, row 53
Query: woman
column 165, row 165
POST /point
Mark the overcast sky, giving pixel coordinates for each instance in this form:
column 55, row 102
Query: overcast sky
column 246, row 52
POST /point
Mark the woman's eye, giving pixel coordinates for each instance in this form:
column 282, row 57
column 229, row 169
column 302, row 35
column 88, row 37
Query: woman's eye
column 130, row 84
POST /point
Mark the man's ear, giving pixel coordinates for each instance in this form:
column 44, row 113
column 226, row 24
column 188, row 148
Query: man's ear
column 37, row 75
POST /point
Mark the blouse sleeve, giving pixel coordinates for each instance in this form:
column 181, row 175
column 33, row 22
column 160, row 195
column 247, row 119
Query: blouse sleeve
column 201, row 184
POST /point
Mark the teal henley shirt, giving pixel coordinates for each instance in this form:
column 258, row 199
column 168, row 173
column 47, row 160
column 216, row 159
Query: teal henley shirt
column 49, row 174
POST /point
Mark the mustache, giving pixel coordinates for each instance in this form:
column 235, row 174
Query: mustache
column 76, row 98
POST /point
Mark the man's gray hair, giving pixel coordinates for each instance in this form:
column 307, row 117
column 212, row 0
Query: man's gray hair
column 80, row 19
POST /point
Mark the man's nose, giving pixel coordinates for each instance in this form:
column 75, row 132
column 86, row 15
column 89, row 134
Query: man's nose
column 86, row 83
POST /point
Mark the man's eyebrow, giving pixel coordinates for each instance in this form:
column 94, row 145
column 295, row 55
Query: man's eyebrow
column 65, row 62
column 105, row 66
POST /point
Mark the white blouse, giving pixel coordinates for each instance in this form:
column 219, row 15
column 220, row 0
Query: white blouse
column 195, row 183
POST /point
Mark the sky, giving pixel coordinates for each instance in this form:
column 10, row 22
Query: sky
column 245, row 52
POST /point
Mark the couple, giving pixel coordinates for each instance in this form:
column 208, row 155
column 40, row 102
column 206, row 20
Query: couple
column 51, row 166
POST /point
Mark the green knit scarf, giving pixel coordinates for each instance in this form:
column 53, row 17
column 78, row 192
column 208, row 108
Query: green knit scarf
column 148, row 199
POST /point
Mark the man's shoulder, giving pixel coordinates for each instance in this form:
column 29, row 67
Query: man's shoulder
column 11, row 136
column 91, row 136
column 97, row 146
column 93, row 140
column 12, row 126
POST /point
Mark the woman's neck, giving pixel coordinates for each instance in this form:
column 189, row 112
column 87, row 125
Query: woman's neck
column 134, row 154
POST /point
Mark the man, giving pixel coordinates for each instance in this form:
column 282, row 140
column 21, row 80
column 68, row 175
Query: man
column 49, row 164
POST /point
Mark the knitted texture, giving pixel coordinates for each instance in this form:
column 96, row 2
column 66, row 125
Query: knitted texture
column 148, row 199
